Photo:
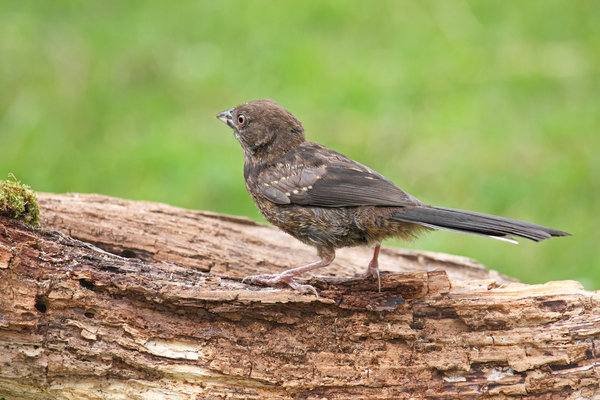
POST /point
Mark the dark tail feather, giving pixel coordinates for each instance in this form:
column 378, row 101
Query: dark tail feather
column 475, row 223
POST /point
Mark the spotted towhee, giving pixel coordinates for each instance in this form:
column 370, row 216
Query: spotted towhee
column 328, row 200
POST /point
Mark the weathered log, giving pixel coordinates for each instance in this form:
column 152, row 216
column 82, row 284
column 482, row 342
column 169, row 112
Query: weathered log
column 116, row 299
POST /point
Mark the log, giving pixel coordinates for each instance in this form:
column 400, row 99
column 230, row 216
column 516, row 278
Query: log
column 118, row 299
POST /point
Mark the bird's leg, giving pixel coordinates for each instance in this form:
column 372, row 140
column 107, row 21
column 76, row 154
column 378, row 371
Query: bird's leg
column 327, row 255
column 373, row 268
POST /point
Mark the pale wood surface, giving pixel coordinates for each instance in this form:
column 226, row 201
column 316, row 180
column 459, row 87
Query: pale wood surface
column 116, row 299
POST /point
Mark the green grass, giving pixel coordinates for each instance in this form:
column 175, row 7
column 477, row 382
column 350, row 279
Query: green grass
column 482, row 105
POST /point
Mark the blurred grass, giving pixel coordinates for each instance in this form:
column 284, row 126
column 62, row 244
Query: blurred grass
column 479, row 105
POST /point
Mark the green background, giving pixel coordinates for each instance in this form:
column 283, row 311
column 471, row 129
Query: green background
column 492, row 106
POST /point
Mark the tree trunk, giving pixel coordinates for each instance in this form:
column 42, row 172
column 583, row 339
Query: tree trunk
column 117, row 299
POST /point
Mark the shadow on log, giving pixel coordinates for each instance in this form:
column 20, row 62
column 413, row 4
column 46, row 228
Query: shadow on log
column 116, row 299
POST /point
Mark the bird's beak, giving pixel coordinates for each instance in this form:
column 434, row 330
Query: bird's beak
column 227, row 117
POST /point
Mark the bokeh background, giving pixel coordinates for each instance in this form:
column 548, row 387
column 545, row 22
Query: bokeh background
column 490, row 106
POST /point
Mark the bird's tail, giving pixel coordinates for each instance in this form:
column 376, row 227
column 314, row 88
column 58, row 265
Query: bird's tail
column 475, row 223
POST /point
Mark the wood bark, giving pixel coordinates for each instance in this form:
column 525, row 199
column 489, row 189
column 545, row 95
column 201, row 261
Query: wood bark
column 117, row 299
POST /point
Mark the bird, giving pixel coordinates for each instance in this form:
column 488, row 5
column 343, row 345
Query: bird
column 329, row 201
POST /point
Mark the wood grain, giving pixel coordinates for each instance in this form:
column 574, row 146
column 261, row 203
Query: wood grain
column 117, row 299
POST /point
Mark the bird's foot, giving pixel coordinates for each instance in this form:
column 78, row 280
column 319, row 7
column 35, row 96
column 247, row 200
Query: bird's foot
column 274, row 279
column 373, row 268
column 372, row 271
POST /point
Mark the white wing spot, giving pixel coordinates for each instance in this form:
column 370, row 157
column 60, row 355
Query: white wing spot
column 295, row 191
column 310, row 187
column 287, row 194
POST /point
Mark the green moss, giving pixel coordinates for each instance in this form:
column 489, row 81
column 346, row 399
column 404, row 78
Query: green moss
column 18, row 201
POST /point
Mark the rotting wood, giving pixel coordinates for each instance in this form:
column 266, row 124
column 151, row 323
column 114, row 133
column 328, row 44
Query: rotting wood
column 154, row 308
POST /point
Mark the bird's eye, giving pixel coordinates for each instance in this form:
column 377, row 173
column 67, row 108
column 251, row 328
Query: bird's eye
column 241, row 119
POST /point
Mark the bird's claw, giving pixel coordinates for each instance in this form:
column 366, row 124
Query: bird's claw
column 370, row 272
column 274, row 279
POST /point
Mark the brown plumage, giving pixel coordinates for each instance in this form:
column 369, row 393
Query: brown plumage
column 328, row 201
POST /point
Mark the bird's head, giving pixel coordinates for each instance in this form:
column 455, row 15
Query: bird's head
column 265, row 130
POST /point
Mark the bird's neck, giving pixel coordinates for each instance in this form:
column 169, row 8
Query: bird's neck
column 266, row 154
column 254, row 163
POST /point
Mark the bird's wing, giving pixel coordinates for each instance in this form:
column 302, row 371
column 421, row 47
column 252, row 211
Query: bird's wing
column 313, row 175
